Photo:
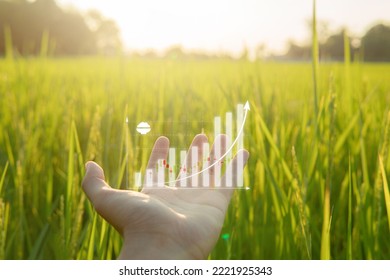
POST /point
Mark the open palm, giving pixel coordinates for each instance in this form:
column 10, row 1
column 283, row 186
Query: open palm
column 166, row 223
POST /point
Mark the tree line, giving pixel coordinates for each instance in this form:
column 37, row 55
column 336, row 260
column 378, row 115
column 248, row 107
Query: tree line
column 42, row 27
column 373, row 46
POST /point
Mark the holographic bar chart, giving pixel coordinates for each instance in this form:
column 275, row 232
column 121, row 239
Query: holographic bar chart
column 186, row 169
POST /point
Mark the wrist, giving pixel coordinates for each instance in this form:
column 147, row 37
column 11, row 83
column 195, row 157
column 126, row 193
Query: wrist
column 146, row 246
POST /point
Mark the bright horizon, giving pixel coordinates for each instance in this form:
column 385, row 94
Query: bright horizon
column 228, row 26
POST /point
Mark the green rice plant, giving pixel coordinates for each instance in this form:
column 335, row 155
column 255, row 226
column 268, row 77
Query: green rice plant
column 349, row 255
column 315, row 59
column 377, row 195
column 313, row 177
column 4, row 216
column 326, row 226
column 8, row 43
column 2, row 178
column 299, row 203
column 385, row 190
column 347, row 69
column 4, row 220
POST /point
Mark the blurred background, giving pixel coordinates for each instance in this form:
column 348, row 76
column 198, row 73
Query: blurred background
column 277, row 30
column 315, row 73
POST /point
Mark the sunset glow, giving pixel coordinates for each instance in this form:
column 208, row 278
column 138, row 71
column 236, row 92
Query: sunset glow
column 230, row 25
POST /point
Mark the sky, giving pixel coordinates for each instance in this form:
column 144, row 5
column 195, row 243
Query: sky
column 229, row 25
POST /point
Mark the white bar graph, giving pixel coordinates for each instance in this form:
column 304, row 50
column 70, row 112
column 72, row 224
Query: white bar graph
column 160, row 173
column 206, row 161
column 240, row 145
column 172, row 164
column 191, row 171
column 228, row 158
column 229, row 131
column 183, row 168
column 217, row 167
column 149, row 178
column 217, row 151
column 137, row 179
column 194, row 166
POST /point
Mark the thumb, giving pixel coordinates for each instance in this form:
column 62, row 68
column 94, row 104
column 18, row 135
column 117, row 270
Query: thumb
column 93, row 183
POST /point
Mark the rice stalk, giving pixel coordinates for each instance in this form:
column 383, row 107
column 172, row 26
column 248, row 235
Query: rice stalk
column 2, row 179
column 9, row 54
column 377, row 211
column 91, row 246
column 94, row 146
column 325, row 236
column 68, row 206
column 4, row 221
column 347, row 70
column 349, row 222
column 385, row 190
column 303, row 221
column 315, row 58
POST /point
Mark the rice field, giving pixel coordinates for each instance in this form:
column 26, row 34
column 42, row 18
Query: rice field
column 319, row 152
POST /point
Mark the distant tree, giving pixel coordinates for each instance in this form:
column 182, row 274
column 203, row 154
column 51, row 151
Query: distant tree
column 106, row 33
column 376, row 43
column 72, row 36
column 260, row 51
column 296, row 52
column 375, row 46
column 333, row 48
column 245, row 53
column 174, row 52
column 149, row 54
column 42, row 27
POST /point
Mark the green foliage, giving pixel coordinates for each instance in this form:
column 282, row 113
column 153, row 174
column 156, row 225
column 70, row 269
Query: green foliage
column 317, row 186
column 376, row 43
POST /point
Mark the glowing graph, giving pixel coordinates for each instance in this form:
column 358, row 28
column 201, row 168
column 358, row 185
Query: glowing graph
column 176, row 171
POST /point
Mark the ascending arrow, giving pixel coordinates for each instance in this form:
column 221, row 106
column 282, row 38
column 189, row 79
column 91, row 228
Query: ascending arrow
column 246, row 108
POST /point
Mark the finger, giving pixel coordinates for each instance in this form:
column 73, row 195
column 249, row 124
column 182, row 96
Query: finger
column 94, row 184
column 159, row 153
column 192, row 162
column 108, row 202
column 217, row 151
column 236, row 167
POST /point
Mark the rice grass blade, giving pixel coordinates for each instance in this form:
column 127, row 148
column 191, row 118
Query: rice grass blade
column 347, row 69
column 8, row 43
column 39, row 243
column 4, row 221
column 385, row 189
column 346, row 132
column 315, row 58
column 3, row 177
column 269, row 137
column 68, row 203
column 91, row 246
column 349, row 222
column 325, row 236
column 80, row 158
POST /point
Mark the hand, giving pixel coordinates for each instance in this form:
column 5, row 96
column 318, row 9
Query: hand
column 165, row 223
